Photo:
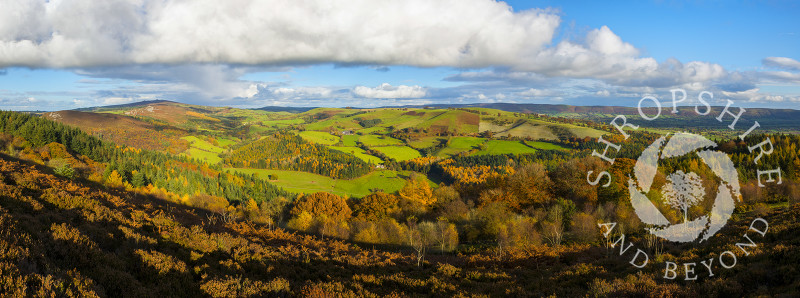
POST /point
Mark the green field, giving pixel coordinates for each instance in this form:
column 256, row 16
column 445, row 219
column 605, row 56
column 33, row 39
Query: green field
column 495, row 147
column 544, row 145
column 424, row 142
column 349, row 140
column 209, row 157
column 319, row 137
column 358, row 152
column 281, row 123
column 374, row 140
column 203, row 150
column 460, row 144
column 225, row 142
column 302, row 182
column 202, row 144
column 400, row 153
column 533, row 129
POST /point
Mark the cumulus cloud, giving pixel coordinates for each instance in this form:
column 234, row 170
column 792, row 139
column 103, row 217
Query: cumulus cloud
column 464, row 34
column 533, row 92
column 602, row 93
column 753, row 95
column 388, row 91
column 199, row 51
column 781, row 62
column 467, row 34
column 203, row 83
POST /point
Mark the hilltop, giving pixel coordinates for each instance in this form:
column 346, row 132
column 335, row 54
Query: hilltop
column 125, row 130
column 786, row 120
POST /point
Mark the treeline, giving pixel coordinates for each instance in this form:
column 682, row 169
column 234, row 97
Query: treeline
column 367, row 123
column 290, row 152
column 128, row 167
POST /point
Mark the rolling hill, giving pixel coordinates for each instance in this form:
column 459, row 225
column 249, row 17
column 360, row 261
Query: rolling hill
column 125, row 130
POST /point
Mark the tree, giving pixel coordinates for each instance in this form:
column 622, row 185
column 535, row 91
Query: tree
column 322, row 203
column 584, row 225
column 553, row 227
column 420, row 237
column 446, row 235
column 417, row 190
column 377, row 206
column 138, row 179
column 302, row 222
column 530, row 186
column 683, row 191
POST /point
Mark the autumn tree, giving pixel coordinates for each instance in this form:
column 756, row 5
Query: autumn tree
column 570, row 179
column 417, row 190
column 584, row 226
column 530, row 186
column 323, row 204
column 553, row 227
column 683, row 191
column 420, row 237
column 446, row 235
column 377, row 206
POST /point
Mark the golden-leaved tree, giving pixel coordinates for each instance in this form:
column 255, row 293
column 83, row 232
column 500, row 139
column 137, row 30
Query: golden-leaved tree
column 377, row 206
column 417, row 191
column 323, row 204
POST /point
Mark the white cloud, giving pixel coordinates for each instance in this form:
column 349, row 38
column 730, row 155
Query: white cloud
column 781, row 76
column 781, row 62
column 415, row 32
column 388, row 91
column 754, row 95
column 300, row 92
column 533, row 92
column 425, row 33
column 603, row 93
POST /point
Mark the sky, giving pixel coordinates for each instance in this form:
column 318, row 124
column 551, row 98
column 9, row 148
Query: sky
column 66, row 54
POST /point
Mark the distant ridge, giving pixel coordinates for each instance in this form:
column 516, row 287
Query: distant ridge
column 294, row 110
column 126, row 105
column 554, row 109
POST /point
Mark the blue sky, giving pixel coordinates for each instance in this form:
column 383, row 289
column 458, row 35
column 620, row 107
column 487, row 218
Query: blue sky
column 379, row 53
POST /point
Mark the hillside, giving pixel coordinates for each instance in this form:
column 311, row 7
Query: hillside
column 125, row 130
column 787, row 120
column 69, row 238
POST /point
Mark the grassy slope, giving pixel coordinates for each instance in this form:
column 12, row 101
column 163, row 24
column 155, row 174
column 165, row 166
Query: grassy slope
column 544, row 145
column 460, row 144
column 349, row 140
column 375, row 140
column 505, row 147
column 203, row 150
column 400, row 153
column 303, row 182
column 358, row 152
column 424, row 142
column 319, row 137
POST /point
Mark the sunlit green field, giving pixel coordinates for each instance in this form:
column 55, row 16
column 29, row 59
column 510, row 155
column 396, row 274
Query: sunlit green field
column 358, row 152
column 460, row 144
column 302, row 182
column 374, row 140
column 400, row 153
column 319, row 137
column 494, row 147
column 544, row 145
